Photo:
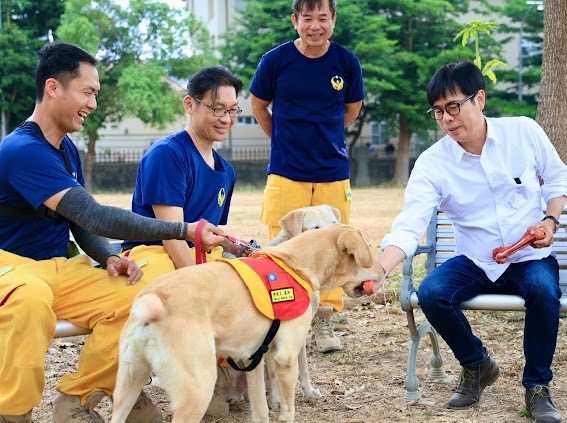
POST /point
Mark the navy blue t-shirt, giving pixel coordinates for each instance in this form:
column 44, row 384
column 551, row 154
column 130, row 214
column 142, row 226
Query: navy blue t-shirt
column 31, row 171
column 173, row 172
column 308, row 98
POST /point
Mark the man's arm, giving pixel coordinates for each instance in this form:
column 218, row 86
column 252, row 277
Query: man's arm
column 554, row 208
column 262, row 114
column 100, row 249
column 178, row 250
column 391, row 257
column 351, row 112
column 77, row 205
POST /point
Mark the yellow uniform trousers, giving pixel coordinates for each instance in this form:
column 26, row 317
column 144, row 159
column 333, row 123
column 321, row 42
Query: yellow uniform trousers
column 34, row 295
column 283, row 195
column 157, row 260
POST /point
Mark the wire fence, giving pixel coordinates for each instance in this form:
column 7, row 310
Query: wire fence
column 134, row 155
column 240, row 153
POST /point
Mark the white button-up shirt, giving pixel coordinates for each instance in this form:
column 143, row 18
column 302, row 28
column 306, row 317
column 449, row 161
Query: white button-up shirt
column 491, row 199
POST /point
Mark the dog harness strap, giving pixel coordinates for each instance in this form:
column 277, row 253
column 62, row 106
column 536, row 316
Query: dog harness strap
column 200, row 255
column 257, row 356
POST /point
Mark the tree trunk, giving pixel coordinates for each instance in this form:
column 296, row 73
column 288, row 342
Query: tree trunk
column 552, row 107
column 356, row 129
column 89, row 164
column 401, row 174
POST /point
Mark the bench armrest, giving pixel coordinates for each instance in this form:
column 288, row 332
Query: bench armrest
column 407, row 279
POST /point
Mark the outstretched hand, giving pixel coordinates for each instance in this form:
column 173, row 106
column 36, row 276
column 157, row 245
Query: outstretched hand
column 211, row 235
column 116, row 266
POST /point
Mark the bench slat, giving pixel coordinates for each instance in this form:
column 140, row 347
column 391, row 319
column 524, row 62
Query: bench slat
column 495, row 302
column 65, row 328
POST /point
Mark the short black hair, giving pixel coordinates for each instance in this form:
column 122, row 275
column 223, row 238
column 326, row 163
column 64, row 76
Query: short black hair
column 298, row 5
column 60, row 61
column 211, row 78
column 463, row 76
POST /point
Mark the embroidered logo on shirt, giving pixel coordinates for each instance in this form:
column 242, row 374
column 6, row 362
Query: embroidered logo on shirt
column 221, row 197
column 337, row 82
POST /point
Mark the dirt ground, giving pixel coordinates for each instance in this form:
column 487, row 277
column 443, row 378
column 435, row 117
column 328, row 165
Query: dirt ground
column 364, row 383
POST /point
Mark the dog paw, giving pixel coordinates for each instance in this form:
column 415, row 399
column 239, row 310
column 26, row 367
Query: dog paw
column 312, row 393
column 274, row 405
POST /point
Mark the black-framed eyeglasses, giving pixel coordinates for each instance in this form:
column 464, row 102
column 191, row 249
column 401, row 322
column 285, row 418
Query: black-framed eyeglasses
column 453, row 109
column 218, row 112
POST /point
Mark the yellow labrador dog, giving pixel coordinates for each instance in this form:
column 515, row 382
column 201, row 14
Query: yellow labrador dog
column 184, row 320
column 229, row 381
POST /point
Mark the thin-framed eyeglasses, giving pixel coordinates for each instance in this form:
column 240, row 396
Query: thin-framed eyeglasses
column 219, row 112
column 452, row 109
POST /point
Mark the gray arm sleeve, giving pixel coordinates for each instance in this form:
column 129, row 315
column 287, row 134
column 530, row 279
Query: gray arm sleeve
column 96, row 247
column 80, row 207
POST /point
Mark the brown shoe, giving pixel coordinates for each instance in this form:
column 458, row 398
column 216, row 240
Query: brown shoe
column 68, row 409
column 325, row 338
column 23, row 418
column 540, row 405
column 144, row 411
column 472, row 382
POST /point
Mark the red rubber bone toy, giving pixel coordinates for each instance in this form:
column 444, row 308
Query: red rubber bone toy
column 501, row 254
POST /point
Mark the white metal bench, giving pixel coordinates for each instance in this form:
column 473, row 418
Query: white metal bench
column 439, row 247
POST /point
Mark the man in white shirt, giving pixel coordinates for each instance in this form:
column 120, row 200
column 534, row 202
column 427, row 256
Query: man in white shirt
column 485, row 175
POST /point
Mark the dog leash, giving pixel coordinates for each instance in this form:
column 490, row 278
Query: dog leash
column 200, row 254
column 246, row 249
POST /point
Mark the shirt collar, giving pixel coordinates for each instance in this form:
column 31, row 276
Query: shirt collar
column 491, row 135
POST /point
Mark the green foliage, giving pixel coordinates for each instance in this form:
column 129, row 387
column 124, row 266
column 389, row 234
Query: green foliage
column 516, row 13
column 263, row 25
column 524, row 413
column 24, row 30
column 472, row 31
column 17, row 53
column 138, row 91
column 138, row 48
column 400, row 44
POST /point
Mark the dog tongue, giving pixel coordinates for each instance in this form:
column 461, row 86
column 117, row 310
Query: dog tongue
column 368, row 287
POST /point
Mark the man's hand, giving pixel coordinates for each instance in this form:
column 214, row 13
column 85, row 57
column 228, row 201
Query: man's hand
column 211, row 235
column 116, row 266
column 549, row 227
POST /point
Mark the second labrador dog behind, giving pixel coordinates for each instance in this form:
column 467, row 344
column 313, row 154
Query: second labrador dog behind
column 184, row 320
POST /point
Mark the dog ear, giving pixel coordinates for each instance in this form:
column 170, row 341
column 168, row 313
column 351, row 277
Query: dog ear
column 336, row 212
column 292, row 222
column 355, row 244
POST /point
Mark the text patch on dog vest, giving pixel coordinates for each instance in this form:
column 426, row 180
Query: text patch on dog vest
column 279, row 295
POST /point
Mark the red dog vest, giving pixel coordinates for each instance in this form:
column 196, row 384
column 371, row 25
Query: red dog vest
column 277, row 291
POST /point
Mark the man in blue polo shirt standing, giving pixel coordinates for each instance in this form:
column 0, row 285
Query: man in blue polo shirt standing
column 316, row 90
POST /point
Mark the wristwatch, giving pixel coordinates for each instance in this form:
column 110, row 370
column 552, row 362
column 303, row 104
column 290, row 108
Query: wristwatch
column 554, row 220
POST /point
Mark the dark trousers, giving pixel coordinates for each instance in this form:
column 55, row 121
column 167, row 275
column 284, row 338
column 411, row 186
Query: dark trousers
column 459, row 279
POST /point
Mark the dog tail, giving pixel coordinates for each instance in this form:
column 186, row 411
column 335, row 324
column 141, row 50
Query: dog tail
column 148, row 308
